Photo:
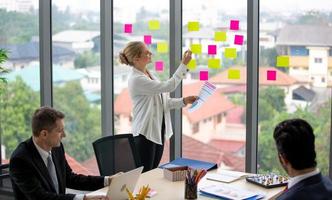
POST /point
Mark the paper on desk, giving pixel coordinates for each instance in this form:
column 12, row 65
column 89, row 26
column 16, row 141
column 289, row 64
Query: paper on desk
column 229, row 192
column 225, row 176
column 206, row 91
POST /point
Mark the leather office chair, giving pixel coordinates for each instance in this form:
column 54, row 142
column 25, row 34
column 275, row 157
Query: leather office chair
column 6, row 189
column 116, row 153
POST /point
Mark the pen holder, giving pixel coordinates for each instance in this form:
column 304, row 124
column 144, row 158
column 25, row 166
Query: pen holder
column 190, row 190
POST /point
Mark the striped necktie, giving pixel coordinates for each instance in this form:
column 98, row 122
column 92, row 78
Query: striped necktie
column 51, row 171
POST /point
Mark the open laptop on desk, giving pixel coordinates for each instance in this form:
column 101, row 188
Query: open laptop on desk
column 117, row 188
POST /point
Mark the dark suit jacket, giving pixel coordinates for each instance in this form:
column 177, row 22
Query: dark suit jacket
column 315, row 187
column 32, row 181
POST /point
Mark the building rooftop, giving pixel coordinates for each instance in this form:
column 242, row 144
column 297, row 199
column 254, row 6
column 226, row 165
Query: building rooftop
column 75, row 36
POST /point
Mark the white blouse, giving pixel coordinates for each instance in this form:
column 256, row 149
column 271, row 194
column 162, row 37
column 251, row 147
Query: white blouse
column 148, row 106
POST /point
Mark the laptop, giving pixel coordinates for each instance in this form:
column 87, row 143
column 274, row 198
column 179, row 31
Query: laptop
column 117, row 188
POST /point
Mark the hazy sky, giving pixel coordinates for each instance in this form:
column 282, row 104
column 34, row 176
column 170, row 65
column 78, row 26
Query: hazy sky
column 232, row 6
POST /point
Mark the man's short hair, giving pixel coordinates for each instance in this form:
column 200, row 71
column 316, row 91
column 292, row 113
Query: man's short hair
column 45, row 118
column 295, row 140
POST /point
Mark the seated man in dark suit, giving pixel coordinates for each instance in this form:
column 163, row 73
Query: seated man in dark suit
column 295, row 143
column 38, row 167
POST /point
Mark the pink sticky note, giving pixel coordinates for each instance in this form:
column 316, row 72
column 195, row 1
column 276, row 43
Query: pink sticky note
column 234, row 25
column 147, row 39
column 271, row 75
column 212, row 49
column 128, row 28
column 159, row 65
column 238, row 39
column 204, row 75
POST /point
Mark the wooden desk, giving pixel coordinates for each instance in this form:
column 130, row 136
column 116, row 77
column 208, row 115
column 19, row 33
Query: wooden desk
column 168, row 190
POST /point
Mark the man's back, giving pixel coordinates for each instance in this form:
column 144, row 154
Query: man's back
column 315, row 187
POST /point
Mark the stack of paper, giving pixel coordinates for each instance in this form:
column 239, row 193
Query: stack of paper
column 225, row 176
column 207, row 90
column 229, row 192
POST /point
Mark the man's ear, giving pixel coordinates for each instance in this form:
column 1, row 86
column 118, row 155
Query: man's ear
column 283, row 159
column 43, row 133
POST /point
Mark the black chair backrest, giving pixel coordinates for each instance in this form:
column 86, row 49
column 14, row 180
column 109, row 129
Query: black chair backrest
column 116, row 153
column 6, row 189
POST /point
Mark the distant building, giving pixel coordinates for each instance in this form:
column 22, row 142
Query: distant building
column 16, row 5
column 27, row 54
column 309, row 48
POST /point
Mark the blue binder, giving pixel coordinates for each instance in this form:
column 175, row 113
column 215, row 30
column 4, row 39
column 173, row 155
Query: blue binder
column 195, row 164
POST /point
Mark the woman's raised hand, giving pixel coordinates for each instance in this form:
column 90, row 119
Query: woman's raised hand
column 186, row 57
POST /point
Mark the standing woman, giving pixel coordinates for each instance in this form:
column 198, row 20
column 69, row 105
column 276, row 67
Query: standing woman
column 151, row 102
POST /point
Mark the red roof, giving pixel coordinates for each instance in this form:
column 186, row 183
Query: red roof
column 91, row 164
column 76, row 166
column 282, row 78
column 216, row 104
column 227, row 146
column 235, row 115
column 233, row 89
column 235, row 162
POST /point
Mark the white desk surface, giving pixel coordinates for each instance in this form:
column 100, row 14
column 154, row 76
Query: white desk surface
column 168, row 190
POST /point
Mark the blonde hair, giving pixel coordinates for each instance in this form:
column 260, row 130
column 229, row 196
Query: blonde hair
column 131, row 51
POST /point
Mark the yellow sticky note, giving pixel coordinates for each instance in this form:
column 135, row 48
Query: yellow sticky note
column 233, row 74
column 193, row 26
column 282, row 61
column 192, row 64
column 220, row 36
column 162, row 47
column 154, row 25
column 230, row 53
column 214, row 63
column 196, row 48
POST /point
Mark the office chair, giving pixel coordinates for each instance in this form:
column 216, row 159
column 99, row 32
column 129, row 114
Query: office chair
column 6, row 190
column 116, row 153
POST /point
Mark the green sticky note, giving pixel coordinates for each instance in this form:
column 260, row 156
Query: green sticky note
column 162, row 47
column 196, row 48
column 220, row 36
column 214, row 63
column 230, row 53
column 192, row 64
column 233, row 74
column 154, row 25
column 282, row 61
column 193, row 26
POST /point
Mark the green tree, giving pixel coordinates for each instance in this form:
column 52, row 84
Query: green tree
column 87, row 59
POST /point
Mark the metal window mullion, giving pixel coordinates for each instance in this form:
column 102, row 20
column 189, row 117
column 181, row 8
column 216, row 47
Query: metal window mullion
column 330, row 160
column 175, row 43
column 106, row 51
column 252, row 85
column 45, row 52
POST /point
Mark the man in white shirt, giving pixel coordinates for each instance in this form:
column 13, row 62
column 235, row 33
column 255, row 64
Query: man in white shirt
column 295, row 143
column 39, row 169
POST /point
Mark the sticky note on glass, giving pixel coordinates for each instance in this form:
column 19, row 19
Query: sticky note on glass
column 192, row 64
column 238, row 39
column 204, row 75
column 196, row 48
column 214, row 63
column 271, row 75
column 234, row 25
column 220, row 36
column 230, row 53
column 212, row 49
column 128, row 28
column 162, row 47
column 282, row 61
column 159, row 65
column 154, row 25
column 193, row 26
column 234, row 74
column 147, row 39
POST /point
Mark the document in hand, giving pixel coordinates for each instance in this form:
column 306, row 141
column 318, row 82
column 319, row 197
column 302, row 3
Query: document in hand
column 229, row 192
column 225, row 176
column 207, row 90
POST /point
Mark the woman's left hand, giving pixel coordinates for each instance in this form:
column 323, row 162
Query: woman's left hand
column 189, row 99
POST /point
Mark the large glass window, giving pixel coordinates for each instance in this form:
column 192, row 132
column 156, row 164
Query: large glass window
column 146, row 21
column 295, row 74
column 21, row 95
column 216, row 34
column 76, row 77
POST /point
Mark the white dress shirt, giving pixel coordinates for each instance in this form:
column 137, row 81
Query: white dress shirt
column 294, row 180
column 44, row 154
column 147, row 105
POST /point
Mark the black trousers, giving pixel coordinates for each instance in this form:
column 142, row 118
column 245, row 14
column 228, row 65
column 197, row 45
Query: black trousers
column 149, row 152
